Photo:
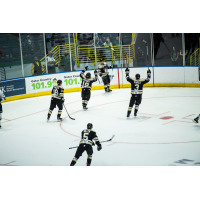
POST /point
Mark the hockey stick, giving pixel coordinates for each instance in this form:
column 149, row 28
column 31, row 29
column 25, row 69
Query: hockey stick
column 94, row 69
column 67, row 112
column 109, row 139
column 100, row 142
column 147, row 51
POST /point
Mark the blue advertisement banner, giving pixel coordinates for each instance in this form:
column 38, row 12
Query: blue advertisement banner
column 13, row 87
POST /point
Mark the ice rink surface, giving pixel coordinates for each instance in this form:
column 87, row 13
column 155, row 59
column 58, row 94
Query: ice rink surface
column 162, row 134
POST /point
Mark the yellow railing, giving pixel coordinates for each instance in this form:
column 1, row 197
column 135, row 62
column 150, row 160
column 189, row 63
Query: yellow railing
column 59, row 51
column 194, row 58
column 86, row 53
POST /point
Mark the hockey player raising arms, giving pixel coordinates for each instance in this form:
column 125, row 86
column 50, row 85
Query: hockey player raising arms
column 86, row 86
column 136, row 90
column 2, row 98
column 103, row 72
column 57, row 99
column 86, row 143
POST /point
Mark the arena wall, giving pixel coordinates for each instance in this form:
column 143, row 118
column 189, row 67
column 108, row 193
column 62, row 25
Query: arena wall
column 34, row 86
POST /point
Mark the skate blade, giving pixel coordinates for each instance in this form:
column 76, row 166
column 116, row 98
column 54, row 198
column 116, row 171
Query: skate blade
column 195, row 121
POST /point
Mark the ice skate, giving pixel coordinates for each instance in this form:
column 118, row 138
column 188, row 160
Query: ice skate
column 196, row 120
column 128, row 113
column 59, row 119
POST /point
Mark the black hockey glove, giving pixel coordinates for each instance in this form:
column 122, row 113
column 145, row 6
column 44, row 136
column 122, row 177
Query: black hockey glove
column 148, row 71
column 99, row 147
column 127, row 70
column 111, row 66
column 62, row 100
column 86, row 68
column 95, row 72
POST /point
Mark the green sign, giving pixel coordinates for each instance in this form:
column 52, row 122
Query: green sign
column 48, row 84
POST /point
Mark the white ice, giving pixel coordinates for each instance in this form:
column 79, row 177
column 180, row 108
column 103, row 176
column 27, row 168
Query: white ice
column 26, row 139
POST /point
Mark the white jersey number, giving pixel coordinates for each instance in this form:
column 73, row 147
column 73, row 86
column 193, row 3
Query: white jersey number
column 85, row 83
column 136, row 89
column 85, row 137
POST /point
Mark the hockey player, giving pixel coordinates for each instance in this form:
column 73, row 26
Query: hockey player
column 103, row 72
column 196, row 120
column 136, row 90
column 2, row 98
column 86, row 143
column 57, row 99
column 86, row 86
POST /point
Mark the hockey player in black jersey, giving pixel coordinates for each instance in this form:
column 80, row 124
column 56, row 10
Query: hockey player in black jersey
column 103, row 72
column 2, row 98
column 86, row 143
column 57, row 99
column 136, row 90
column 86, row 86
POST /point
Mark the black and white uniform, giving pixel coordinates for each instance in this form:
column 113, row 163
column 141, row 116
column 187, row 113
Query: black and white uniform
column 136, row 91
column 87, row 137
column 103, row 72
column 2, row 98
column 57, row 99
column 86, row 86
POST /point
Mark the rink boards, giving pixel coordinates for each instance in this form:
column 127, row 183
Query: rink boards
column 34, row 86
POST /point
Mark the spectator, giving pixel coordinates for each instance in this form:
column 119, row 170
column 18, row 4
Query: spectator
column 107, row 51
column 174, row 57
column 116, row 42
column 181, row 57
column 108, row 42
column 65, row 62
column 30, row 45
column 37, row 67
column 140, row 57
column 51, row 63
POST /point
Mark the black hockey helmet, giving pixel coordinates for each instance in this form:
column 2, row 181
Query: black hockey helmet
column 54, row 79
column 88, row 75
column 89, row 126
column 137, row 76
column 59, row 82
column 101, row 59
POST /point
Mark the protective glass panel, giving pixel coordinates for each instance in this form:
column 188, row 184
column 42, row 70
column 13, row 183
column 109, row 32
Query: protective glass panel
column 192, row 49
column 57, row 52
column 84, row 53
column 10, row 57
column 168, row 49
column 107, row 48
column 141, row 50
column 33, row 54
